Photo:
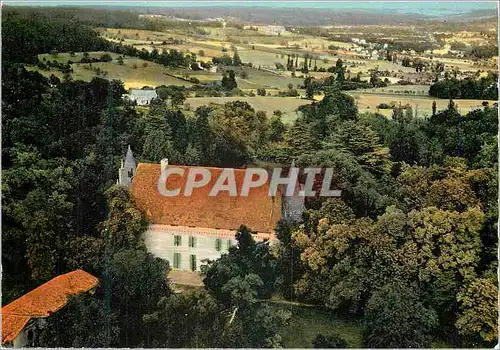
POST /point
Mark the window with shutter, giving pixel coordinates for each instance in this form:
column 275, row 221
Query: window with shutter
column 177, row 260
column 193, row 262
column 177, row 240
column 218, row 244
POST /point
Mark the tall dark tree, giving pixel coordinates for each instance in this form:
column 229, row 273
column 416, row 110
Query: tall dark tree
column 236, row 58
column 229, row 81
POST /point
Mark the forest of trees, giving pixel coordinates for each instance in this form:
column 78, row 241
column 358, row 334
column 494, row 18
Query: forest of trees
column 26, row 35
column 410, row 248
column 485, row 88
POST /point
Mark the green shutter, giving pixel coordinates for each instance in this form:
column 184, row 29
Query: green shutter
column 177, row 260
column 218, row 244
column 192, row 241
column 228, row 244
column 177, row 240
column 193, row 262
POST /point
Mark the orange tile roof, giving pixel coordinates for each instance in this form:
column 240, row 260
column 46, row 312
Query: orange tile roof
column 12, row 325
column 43, row 300
column 258, row 210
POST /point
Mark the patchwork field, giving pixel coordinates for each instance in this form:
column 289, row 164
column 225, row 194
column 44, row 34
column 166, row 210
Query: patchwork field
column 264, row 51
column 135, row 73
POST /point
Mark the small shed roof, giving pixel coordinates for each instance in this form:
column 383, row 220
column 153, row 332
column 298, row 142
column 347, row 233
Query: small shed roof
column 43, row 300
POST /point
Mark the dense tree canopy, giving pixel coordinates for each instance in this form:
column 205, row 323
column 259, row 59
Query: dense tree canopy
column 409, row 248
column 484, row 88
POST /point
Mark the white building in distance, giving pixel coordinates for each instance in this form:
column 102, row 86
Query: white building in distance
column 142, row 97
column 273, row 30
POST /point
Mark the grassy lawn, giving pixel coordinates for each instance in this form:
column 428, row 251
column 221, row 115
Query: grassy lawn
column 307, row 322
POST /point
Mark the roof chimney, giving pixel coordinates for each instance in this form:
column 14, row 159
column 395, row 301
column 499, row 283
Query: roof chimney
column 164, row 164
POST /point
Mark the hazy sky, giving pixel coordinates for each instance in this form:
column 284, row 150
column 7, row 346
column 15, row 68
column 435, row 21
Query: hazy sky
column 435, row 8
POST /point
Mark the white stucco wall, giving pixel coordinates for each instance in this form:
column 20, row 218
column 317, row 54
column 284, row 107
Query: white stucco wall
column 160, row 243
column 21, row 340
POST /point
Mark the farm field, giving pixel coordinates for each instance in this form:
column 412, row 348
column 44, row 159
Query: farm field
column 268, row 104
column 421, row 104
column 135, row 73
column 140, row 35
column 419, row 90
column 255, row 78
column 263, row 51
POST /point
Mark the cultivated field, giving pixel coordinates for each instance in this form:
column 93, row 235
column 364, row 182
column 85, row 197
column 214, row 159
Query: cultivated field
column 422, row 105
column 264, row 51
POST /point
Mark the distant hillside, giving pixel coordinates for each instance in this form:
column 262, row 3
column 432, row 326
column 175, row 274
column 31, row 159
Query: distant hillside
column 126, row 16
column 289, row 16
column 311, row 16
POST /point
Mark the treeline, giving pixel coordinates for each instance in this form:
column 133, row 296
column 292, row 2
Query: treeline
column 342, row 82
column 485, row 88
column 229, row 313
column 394, row 44
column 476, row 51
column 167, row 58
column 483, row 51
column 107, row 18
column 26, row 34
column 47, row 65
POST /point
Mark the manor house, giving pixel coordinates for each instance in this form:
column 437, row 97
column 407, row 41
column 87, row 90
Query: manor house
column 186, row 230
